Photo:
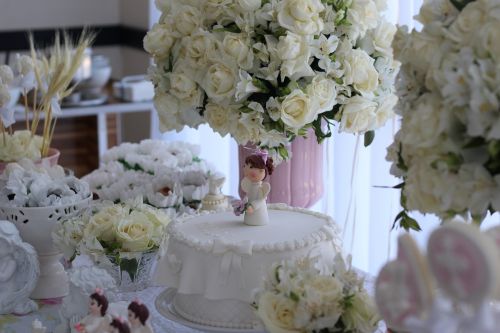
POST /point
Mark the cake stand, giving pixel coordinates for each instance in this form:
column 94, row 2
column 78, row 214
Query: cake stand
column 164, row 306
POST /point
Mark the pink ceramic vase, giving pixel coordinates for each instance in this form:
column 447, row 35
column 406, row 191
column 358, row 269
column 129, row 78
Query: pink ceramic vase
column 52, row 159
column 299, row 181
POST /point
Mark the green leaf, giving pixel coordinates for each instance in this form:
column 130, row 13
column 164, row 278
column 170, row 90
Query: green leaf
column 409, row 223
column 294, row 296
column 461, row 4
column 130, row 266
column 401, row 185
column 494, row 148
column 369, row 136
column 283, row 152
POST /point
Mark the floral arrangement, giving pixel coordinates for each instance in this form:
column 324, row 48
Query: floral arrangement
column 448, row 151
column 266, row 71
column 49, row 79
column 111, row 229
column 25, row 184
column 299, row 296
column 167, row 175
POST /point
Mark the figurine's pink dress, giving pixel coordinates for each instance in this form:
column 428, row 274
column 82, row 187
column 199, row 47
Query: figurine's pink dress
column 257, row 195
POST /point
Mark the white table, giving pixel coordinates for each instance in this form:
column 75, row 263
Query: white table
column 101, row 111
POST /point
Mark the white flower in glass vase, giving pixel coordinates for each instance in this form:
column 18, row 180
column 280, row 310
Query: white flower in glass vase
column 358, row 115
column 301, row 16
column 134, row 232
column 102, row 223
column 298, row 109
column 294, row 51
column 220, row 82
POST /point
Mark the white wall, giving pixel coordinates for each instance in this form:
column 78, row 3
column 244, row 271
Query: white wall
column 38, row 14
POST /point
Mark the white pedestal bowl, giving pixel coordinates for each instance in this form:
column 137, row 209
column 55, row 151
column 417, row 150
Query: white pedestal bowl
column 35, row 225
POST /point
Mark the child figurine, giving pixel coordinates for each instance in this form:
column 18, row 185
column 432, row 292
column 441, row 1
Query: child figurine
column 96, row 321
column 257, row 167
column 138, row 315
column 119, row 325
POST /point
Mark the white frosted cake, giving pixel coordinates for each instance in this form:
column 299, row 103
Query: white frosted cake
column 215, row 262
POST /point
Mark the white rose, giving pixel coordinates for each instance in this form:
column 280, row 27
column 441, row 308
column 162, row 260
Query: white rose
column 21, row 145
column 469, row 20
column 159, row 40
column 301, row 16
column 159, row 219
column 135, row 232
column 220, row 118
column 277, row 313
column 361, row 316
column 360, row 71
column 322, row 89
column 294, row 51
column 6, row 75
column 358, row 115
column 487, row 40
column 298, row 110
column 324, row 290
column 163, row 5
column 238, row 47
column 425, row 50
column 442, row 11
column 220, row 82
column 385, row 110
column 199, row 48
column 167, row 108
column 184, row 87
column 187, row 19
column 249, row 5
column 102, row 224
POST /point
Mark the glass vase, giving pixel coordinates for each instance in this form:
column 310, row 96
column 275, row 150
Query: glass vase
column 131, row 270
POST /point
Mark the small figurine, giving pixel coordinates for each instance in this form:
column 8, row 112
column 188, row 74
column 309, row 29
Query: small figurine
column 257, row 167
column 118, row 325
column 96, row 321
column 19, row 271
column 215, row 200
column 138, row 315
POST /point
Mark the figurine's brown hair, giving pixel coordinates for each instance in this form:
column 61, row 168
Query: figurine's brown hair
column 256, row 161
column 121, row 326
column 102, row 301
column 140, row 311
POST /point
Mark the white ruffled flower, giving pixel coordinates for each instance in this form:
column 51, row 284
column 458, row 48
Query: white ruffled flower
column 245, row 86
column 187, row 19
column 220, row 118
column 359, row 70
column 199, row 48
column 323, row 90
column 323, row 47
column 294, row 51
column 301, row 16
column 184, row 87
column 167, row 107
column 249, row 5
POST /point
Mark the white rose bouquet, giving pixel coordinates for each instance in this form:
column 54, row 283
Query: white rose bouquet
column 448, row 151
column 167, row 175
column 111, row 229
column 265, row 71
column 25, row 184
column 298, row 296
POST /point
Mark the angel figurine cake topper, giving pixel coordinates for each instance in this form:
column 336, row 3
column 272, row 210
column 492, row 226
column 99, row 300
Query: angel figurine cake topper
column 257, row 167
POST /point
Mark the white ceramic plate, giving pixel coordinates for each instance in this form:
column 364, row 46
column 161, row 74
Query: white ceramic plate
column 164, row 306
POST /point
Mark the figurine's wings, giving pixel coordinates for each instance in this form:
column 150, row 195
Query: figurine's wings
column 266, row 188
column 245, row 185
